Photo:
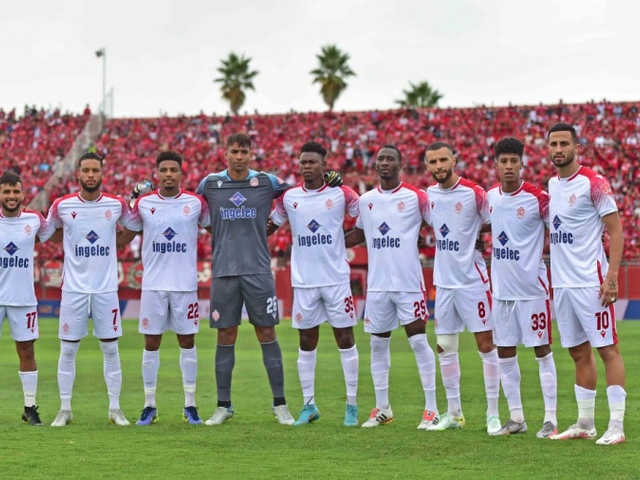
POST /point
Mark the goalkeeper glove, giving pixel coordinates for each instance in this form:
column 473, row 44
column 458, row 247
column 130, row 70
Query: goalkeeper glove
column 333, row 178
column 141, row 189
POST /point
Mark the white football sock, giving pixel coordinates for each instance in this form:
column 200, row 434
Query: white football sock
column 150, row 366
column 510, row 376
column 189, row 368
column 617, row 400
column 350, row 363
column 67, row 372
column 549, row 385
column 307, row 374
column 491, row 371
column 586, row 406
column 450, row 372
column 380, row 365
column 112, row 372
column 29, row 386
column 426, row 361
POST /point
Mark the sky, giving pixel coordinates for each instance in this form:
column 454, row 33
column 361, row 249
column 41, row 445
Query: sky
column 162, row 56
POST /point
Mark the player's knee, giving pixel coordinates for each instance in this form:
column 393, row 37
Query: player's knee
column 69, row 349
column 447, row 343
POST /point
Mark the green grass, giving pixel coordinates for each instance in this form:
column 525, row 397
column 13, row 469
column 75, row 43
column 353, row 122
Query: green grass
column 253, row 445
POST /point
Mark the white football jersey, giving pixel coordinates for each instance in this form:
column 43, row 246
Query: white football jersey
column 318, row 255
column 89, row 231
column 577, row 206
column 17, row 240
column 457, row 214
column 170, row 239
column 518, row 221
column 391, row 222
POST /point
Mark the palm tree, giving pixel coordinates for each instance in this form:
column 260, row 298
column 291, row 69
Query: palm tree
column 421, row 95
column 331, row 73
column 236, row 79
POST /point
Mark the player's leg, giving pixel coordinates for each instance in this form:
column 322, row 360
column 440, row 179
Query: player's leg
column 107, row 327
column 448, row 325
column 154, row 306
column 412, row 311
column 380, row 320
column 573, row 336
column 600, row 327
column 23, row 322
column 73, row 326
column 507, row 335
column 259, row 294
column 340, row 308
column 184, row 320
column 307, row 314
column 536, row 327
column 226, row 310
column 474, row 305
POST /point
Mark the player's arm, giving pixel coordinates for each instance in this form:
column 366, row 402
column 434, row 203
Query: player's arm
column 609, row 289
column 271, row 227
column 354, row 237
column 124, row 236
column 57, row 236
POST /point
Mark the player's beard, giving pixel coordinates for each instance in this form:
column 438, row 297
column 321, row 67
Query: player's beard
column 8, row 209
column 563, row 162
column 92, row 189
column 444, row 179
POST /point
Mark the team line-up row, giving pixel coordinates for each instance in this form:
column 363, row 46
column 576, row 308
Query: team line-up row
column 507, row 309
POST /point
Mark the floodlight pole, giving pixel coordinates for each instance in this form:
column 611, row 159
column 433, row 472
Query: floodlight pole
column 103, row 53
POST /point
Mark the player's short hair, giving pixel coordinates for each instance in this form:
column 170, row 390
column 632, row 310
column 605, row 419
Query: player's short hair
column 241, row 139
column 10, row 178
column 392, row 147
column 438, row 145
column 168, row 155
column 90, row 156
column 314, row 147
column 509, row 145
column 564, row 127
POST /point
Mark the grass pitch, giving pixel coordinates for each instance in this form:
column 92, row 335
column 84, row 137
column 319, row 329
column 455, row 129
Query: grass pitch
column 253, row 445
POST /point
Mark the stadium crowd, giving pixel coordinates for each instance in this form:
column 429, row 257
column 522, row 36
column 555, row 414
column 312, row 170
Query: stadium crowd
column 609, row 134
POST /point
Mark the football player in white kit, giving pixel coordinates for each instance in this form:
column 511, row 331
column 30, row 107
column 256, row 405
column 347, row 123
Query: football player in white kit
column 390, row 219
column 18, row 231
column 320, row 275
column 168, row 218
column 519, row 214
column 463, row 297
column 585, row 284
column 90, row 282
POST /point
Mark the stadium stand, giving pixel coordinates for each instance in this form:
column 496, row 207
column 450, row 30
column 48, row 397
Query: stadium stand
column 608, row 132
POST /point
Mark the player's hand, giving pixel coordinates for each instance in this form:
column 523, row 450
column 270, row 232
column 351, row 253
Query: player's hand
column 142, row 188
column 608, row 291
column 333, row 178
column 480, row 244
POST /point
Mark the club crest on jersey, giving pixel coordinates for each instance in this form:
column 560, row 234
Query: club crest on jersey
column 186, row 210
column 572, row 200
column 520, row 212
column 152, row 210
column 73, row 214
column 370, row 206
column 329, row 204
column 254, row 182
column 145, row 323
column 215, row 315
column 458, row 207
column 108, row 215
column 27, row 230
column 298, row 317
column 295, row 205
column 401, row 207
